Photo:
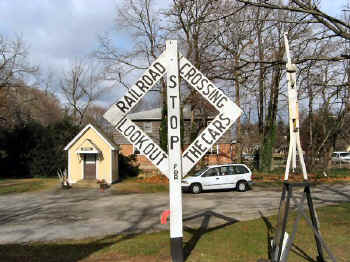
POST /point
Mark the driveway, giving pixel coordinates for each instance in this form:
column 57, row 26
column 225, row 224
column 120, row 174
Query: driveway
column 79, row 213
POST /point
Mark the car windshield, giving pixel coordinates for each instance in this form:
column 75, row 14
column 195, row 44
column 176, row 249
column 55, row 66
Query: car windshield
column 344, row 154
column 199, row 172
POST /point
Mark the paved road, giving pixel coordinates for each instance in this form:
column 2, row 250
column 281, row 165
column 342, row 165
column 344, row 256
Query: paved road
column 79, row 213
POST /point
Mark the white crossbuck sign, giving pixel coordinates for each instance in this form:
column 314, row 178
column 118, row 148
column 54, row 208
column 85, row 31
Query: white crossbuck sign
column 175, row 165
column 228, row 113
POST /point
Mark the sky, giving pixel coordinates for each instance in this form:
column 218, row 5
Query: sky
column 56, row 31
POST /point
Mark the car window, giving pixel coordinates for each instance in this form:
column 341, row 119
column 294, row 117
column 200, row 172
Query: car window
column 199, row 172
column 334, row 155
column 231, row 170
column 344, row 154
column 225, row 170
column 211, row 172
column 240, row 170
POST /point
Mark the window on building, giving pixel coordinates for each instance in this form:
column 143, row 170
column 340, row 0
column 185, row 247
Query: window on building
column 214, row 150
column 147, row 127
column 135, row 150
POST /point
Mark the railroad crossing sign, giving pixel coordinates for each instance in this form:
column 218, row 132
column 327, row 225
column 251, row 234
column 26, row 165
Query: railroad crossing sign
column 175, row 165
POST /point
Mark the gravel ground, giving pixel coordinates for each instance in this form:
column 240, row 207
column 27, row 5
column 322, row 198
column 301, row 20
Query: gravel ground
column 79, row 213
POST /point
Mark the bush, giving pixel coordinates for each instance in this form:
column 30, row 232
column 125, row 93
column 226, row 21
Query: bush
column 32, row 150
column 128, row 166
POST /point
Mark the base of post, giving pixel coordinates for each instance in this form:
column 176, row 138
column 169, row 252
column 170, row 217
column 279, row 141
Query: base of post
column 277, row 253
column 176, row 249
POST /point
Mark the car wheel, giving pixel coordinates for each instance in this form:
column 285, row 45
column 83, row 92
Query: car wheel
column 196, row 188
column 242, row 186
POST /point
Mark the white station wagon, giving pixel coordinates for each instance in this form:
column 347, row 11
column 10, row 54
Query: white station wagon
column 227, row 176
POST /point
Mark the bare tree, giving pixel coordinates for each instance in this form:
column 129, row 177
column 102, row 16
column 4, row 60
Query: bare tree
column 81, row 86
column 338, row 26
column 143, row 23
column 13, row 62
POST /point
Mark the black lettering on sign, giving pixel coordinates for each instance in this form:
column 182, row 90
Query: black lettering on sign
column 176, row 176
column 129, row 130
column 140, row 142
column 173, row 122
column 173, row 140
column 148, row 148
column 216, row 96
column 147, row 80
column 209, row 142
column 161, row 159
column 220, row 102
column 194, row 151
column 172, row 79
column 219, row 126
column 173, row 101
column 196, row 78
column 202, row 84
column 213, row 92
column 228, row 120
column 153, row 155
column 188, row 157
column 183, row 67
column 134, row 92
column 129, row 100
column 141, row 85
column 176, row 172
column 120, row 124
column 200, row 146
column 135, row 136
column 207, row 90
column 213, row 133
column 121, row 105
column 190, row 73
column 159, row 67
column 153, row 74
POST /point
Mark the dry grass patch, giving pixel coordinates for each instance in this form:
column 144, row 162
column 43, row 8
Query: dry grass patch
column 9, row 186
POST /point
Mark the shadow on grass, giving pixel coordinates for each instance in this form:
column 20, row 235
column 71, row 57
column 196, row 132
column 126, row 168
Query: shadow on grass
column 47, row 252
column 270, row 236
column 203, row 229
column 58, row 252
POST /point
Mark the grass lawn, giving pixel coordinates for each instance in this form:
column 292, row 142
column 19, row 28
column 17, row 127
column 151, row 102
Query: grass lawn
column 134, row 185
column 241, row 242
column 8, row 186
column 127, row 186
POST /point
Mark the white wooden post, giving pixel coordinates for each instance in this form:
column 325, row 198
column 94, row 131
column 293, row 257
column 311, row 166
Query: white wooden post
column 294, row 139
column 174, row 152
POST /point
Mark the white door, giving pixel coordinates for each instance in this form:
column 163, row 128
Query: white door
column 211, row 179
column 228, row 177
column 239, row 173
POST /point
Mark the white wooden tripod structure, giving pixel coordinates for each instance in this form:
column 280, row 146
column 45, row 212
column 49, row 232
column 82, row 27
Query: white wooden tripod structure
column 282, row 243
column 294, row 139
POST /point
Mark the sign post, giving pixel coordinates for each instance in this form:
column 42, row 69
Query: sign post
column 176, row 164
column 174, row 152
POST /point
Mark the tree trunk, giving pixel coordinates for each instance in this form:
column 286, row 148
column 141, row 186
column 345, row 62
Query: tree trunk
column 238, row 103
column 270, row 128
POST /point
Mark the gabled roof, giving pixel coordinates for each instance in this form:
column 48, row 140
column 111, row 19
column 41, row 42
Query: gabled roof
column 88, row 147
column 156, row 114
column 100, row 133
